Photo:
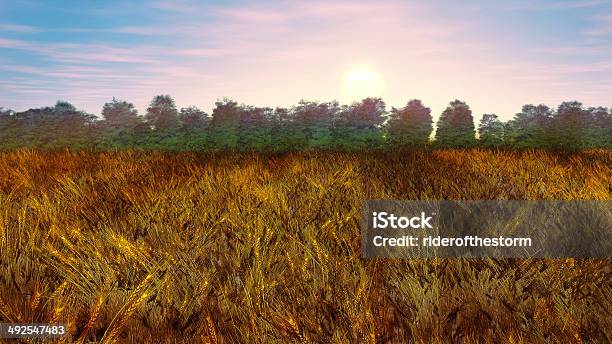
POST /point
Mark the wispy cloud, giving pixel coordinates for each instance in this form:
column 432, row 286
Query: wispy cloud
column 539, row 5
column 4, row 27
column 602, row 26
column 276, row 52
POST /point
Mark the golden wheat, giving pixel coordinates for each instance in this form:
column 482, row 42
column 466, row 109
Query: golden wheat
column 137, row 246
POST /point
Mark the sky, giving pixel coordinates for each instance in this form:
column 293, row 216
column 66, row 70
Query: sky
column 495, row 55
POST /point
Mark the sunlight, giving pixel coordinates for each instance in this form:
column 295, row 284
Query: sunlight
column 361, row 82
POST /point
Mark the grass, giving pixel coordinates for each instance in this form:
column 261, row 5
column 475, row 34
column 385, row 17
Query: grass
column 245, row 248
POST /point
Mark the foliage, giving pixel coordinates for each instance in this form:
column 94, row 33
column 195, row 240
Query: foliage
column 409, row 126
column 600, row 130
column 162, row 114
column 358, row 126
column 255, row 128
column 491, row 131
column 573, row 126
column 118, row 127
column 193, row 119
column 531, row 127
column 310, row 125
column 284, row 132
column 194, row 124
column 224, row 129
column 456, row 126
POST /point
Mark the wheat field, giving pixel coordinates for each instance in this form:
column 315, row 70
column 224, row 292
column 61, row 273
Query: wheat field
column 135, row 247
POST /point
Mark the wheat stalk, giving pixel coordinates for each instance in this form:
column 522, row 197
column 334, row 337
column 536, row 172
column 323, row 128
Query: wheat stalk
column 135, row 299
column 95, row 312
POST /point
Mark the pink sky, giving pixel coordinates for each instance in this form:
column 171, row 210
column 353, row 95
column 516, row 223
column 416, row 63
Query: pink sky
column 495, row 57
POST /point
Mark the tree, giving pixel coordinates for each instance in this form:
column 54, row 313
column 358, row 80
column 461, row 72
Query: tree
column 193, row 119
column 224, row 129
column 119, row 114
column 490, row 130
column 312, row 124
column 283, row 133
column 409, row 126
column 530, row 128
column 9, row 135
column 194, row 123
column 5, row 112
column 120, row 120
column 6, row 117
column 600, row 135
column 162, row 114
column 162, row 125
column 358, row 126
column 572, row 126
column 65, row 126
column 456, row 126
column 255, row 128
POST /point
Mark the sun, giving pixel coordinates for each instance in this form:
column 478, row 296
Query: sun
column 361, row 82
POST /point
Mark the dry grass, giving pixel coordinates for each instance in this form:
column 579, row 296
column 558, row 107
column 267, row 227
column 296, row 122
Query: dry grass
column 139, row 246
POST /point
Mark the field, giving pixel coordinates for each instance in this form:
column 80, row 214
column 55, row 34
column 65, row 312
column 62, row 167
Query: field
column 250, row 248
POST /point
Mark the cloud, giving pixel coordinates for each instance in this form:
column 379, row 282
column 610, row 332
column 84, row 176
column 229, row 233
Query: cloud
column 253, row 51
column 19, row 28
column 557, row 5
column 84, row 53
column 603, row 26
column 14, row 44
column 578, row 50
column 180, row 6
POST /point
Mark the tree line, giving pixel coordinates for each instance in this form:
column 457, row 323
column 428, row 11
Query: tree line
column 308, row 125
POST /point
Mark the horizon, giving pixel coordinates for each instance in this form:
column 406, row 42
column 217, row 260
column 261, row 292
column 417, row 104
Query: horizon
column 495, row 57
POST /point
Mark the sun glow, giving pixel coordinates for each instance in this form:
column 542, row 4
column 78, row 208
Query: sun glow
column 361, row 82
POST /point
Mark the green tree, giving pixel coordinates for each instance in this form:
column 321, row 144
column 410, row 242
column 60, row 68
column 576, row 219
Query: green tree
column 4, row 113
column 8, row 130
column 119, row 114
column 119, row 123
column 65, row 126
column 358, row 126
column 162, row 114
column 224, row 129
column 409, row 126
column 530, row 128
column 163, row 121
column 600, row 134
column 312, row 124
column 193, row 119
column 456, row 126
column 283, row 134
column 255, row 128
column 194, row 123
column 572, row 126
column 490, row 130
